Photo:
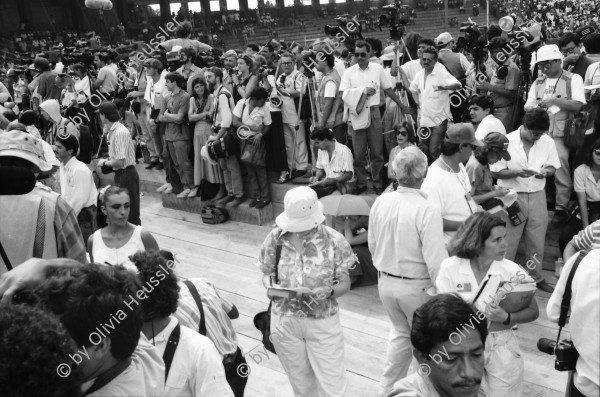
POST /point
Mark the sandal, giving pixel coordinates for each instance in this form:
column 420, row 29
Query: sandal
column 283, row 178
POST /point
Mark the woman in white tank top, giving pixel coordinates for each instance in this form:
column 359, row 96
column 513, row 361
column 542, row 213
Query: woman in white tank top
column 118, row 240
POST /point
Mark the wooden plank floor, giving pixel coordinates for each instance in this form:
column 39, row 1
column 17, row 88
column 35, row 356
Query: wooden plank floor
column 226, row 255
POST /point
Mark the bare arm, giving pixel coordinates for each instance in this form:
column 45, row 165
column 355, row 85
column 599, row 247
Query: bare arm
column 150, row 243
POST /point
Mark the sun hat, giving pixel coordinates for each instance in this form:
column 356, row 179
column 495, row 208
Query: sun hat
column 24, row 146
column 498, row 141
column 548, row 53
column 302, row 210
column 462, row 133
column 443, row 39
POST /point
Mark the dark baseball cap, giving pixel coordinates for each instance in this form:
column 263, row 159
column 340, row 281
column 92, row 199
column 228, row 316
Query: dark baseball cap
column 498, row 141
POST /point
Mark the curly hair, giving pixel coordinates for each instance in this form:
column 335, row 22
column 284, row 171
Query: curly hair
column 471, row 236
column 33, row 344
column 481, row 153
column 158, row 282
column 183, row 30
column 89, row 297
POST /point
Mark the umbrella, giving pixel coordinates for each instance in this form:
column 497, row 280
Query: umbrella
column 346, row 205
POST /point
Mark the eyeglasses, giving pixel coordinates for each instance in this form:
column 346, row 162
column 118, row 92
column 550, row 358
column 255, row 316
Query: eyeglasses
column 402, row 132
column 569, row 51
column 545, row 65
column 360, row 54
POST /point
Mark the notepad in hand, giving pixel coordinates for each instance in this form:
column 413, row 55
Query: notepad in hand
column 517, row 297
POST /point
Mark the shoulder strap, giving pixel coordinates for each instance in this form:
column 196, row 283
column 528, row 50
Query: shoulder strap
column 568, row 77
column 170, row 349
column 566, row 299
column 108, row 376
column 277, row 258
column 196, row 296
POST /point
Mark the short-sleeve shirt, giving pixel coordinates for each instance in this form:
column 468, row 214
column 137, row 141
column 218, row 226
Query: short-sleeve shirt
column 588, row 238
column 109, row 80
column 326, row 256
column 340, row 162
column 480, row 177
column 489, row 124
column 260, row 115
column 175, row 104
column 372, row 76
column 584, row 182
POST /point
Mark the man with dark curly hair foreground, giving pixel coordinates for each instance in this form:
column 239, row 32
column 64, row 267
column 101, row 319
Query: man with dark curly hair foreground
column 33, row 345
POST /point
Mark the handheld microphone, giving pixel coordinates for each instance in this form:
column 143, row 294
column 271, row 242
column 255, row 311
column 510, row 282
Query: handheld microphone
column 16, row 181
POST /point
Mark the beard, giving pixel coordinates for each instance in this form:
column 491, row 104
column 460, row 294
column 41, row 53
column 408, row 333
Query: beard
column 211, row 87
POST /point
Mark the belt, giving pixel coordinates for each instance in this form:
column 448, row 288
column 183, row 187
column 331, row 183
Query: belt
column 402, row 277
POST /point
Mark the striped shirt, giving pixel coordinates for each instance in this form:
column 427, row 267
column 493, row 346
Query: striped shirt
column 588, row 238
column 120, row 144
column 341, row 161
column 219, row 328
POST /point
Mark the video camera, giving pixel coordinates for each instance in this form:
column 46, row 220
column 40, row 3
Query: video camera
column 565, row 352
column 346, row 28
column 474, row 41
column 397, row 16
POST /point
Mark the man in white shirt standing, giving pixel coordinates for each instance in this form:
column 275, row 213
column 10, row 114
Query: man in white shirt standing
column 405, row 231
column 583, row 322
column 77, row 184
column 447, row 183
column 561, row 94
column 533, row 159
column 371, row 77
column 106, row 82
column 432, row 86
column 411, row 68
column 481, row 109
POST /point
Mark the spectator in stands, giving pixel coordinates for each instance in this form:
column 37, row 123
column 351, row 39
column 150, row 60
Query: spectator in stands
column 478, row 250
column 77, row 184
column 561, row 93
column 363, row 82
column 504, row 83
column 193, row 366
column 253, row 113
column 587, row 189
column 460, row 371
column 533, row 159
column 334, row 169
column 222, row 120
column 583, row 317
column 575, row 60
column 306, row 329
column 47, row 347
column 405, row 231
column 46, row 88
column 447, row 184
column 177, row 136
column 434, row 99
column 120, row 362
column 106, row 82
column 22, row 215
column 482, row 109
column 293, row 127
column 121, row 157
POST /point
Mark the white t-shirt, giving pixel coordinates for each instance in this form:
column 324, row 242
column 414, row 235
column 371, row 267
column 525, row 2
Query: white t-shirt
column 260, row 115
column 451, row 193
column 109, row 79
column 489, row 124
column 330, row 90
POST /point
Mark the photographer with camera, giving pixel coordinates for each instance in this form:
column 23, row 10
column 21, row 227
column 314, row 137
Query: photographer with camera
column 577, row 290
column 330, row 103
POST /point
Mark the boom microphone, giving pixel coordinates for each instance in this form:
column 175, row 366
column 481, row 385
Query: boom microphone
column 16, row 181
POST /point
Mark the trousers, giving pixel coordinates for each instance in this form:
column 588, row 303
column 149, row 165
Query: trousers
column 372, row 139
column 504, row 364
column 232, row 174
column 148, row 128
column 562, row 176
column 179, row 154
column 295, row 146
column 400, row 299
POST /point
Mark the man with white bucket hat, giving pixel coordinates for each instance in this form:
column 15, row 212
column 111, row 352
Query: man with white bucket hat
column 561, row 93
column 313, row 269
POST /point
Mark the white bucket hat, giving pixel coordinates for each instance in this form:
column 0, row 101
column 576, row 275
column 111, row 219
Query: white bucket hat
column 206, row 156
column 548, row 53
column 302, row 210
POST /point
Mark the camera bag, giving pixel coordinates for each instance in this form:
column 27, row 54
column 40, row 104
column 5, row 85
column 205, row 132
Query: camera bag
column 213, row 215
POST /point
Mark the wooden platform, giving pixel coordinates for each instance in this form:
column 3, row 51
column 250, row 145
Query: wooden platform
column 226, row 255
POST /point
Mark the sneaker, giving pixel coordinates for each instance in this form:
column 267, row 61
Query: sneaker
column 163, row 188
column 254, row 203
column 184, row 193
column 168, row 190
column 236, row 202
column 152, row 164
column 283, row 178
column 544, row 286
column 227, row 199
column 193, row 192
column 262, row 204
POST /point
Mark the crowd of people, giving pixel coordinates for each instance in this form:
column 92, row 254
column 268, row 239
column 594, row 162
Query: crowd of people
column 477, row 155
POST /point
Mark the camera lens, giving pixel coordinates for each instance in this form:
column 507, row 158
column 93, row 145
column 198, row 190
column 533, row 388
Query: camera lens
column 546, row 345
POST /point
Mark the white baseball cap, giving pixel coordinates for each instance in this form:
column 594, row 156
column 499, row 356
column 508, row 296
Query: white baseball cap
column 443, row 39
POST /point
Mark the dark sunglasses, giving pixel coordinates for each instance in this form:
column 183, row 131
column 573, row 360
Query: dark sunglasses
column 360, row 54
column 402, row 132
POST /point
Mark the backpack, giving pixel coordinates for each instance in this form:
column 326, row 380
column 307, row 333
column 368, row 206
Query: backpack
column 213, row 215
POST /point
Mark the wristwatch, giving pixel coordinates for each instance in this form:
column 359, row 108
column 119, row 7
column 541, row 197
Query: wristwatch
column 507, row 322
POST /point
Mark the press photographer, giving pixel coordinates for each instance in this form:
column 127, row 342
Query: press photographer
column 577, row 290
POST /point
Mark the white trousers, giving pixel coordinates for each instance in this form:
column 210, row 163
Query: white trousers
column 400, row 299
column 504, row 364
column 295, row 146
column 312, row 354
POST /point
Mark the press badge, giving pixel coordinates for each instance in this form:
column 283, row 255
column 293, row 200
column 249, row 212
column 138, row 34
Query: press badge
column 466, row 287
